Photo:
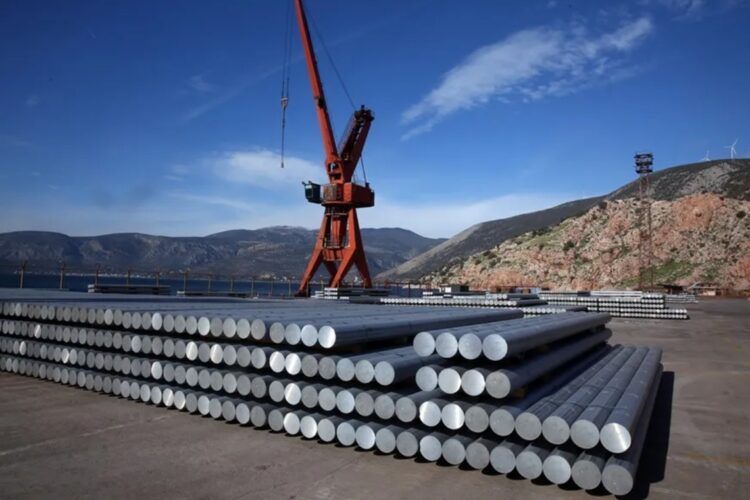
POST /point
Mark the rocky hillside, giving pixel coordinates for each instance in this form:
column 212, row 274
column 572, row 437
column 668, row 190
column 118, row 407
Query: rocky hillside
column 698, row 237
column 279, row 251
column 480, row 237
column 728, row 178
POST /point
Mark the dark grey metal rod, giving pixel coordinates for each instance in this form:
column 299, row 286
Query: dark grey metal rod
column 501, row 382
column 587, row 469
column 617, row 433
column 556, row 426
column 503, row 418
column 619, row 472
column 585, row 430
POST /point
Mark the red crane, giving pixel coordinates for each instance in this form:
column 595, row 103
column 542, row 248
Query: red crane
column 339, row 242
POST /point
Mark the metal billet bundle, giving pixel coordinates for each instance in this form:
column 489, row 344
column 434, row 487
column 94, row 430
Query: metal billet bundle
column 255, row 364
column 499, row 383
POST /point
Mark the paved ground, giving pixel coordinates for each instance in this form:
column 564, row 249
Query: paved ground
column 62, row 442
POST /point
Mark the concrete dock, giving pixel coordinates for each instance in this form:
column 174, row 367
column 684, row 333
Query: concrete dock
column 63, row 442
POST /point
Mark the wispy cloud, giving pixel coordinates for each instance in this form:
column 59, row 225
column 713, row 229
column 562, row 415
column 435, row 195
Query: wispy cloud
column 32, row 100
column 198, row 83
column 696, row 10
column 177, row 173
column 262, row 168
column 527, row 65
column 222, row 96
column 229, row 93
column 687, row 9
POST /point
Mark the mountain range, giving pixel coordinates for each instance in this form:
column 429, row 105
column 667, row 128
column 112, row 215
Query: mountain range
column 269, row 252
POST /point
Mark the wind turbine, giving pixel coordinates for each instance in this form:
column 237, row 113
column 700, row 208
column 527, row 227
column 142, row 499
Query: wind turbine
column 706, row 158
column 732, row 151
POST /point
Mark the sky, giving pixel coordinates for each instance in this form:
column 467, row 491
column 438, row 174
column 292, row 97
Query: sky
column 164, row 117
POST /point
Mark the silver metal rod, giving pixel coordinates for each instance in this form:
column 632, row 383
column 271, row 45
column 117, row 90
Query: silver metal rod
column 587, row 469
column 408, row 440
column 327, row 428
column 365, row 436
column 341, row 333
column 529, row 463
column 558, row 465
column 477, row 417
column 503, row 456
column 500, row 383
column 619, row 472
column 556, row 426
column 585, row 430
column 453, row 414
column 431, row 446
column 617, row 433
column 385, row 438
column 309, row 425
column 478, row 453
column 503, row 418
column 427, row 377
column 501, row 345
column 346, row 431
column 430, row 411
column 454, row 448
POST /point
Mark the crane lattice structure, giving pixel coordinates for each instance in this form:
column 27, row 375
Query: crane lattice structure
column 643, row 167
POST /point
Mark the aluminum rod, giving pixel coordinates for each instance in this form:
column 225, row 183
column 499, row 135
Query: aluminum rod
column 558, row 465
column 529, row 463
column 503, row 455
column 343, row 333
column 500, row 383
column 454, row 448
column 431, row 446
column 585, row 430
column 478, row 453
column 556, row 426
column 385, row 438
column 365, row 436
column 503, row 418
column 587, row 469
column 408, row 440
column 617, row 433
column 619, row 472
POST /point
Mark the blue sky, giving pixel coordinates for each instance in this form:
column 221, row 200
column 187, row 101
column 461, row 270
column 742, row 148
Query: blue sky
column 164, row 117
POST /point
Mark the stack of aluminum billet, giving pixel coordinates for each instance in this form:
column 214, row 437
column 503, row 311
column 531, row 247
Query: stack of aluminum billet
column 550, row 309
column 625, row 304
column 364, row 375
column 574, row 410
column 493, row 301
column 682, row 298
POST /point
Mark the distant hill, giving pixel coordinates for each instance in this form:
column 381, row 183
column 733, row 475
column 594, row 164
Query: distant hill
column 726, row 178
column 482, row 236
column 696, row 238
column 273, row 251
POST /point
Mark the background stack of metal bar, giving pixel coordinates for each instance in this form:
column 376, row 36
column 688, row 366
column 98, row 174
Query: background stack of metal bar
column 621, row 304
column 486, row 387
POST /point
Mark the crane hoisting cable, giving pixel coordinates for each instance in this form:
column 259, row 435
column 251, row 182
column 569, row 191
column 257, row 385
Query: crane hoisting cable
column 285, row 70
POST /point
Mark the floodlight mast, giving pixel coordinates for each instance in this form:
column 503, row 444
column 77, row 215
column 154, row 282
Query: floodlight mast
column 643, row 167
column 339, row 243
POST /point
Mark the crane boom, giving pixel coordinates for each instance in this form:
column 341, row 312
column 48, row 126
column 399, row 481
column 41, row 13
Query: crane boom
column 321, row 108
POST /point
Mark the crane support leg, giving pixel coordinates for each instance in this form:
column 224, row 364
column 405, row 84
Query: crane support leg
column 336, row 253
